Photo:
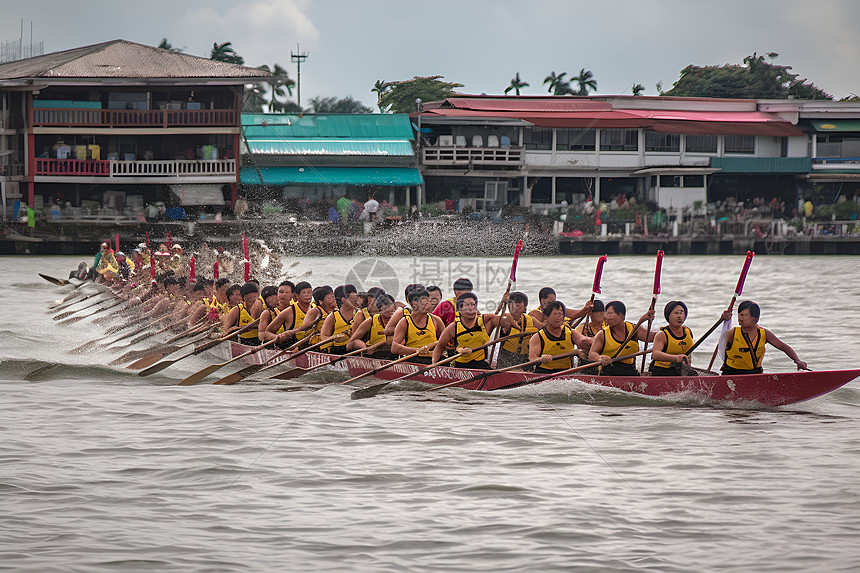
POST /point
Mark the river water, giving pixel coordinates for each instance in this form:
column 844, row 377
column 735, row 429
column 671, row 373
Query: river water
column 103, row 470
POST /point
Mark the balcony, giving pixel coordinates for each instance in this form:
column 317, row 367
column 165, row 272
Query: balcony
column 12, row 170
column 223, row 170
column 493, row 157
column 67, row 117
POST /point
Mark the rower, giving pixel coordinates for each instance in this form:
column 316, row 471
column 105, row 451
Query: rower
column 221, row 286
column 367, row 306
column 340, row 320
column 447, row 309
column 594, row 323
column 672, row 342
column 403, row 311
column 283, row 298
column 469, row 330
column 372, row 332
column 240, row 315
column 234, row 297
column 547, row 295
column 613, row 334
column 418, row 331
column 435, row 295
column 324, row 304
column 746, row 343
column 516, row 350
column 553, row 339
column 124, row 268
column 291, row 318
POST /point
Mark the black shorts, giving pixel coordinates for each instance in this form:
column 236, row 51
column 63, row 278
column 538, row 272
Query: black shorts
column 337, row 349
column 425, row 360
column 673, row 370
column 728, row 370
column 472, row 364
column 250, row 341
column 508, row 358
column 620, row 369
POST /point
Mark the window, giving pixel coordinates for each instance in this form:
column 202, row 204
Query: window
column 574, row 190
column 740, row 144
column 694, row 180
column 701, row 144
column 574, row 140
column 619, row 140
column 538, row 138
column 662, row 142
column 541, row 190
column 670, row 181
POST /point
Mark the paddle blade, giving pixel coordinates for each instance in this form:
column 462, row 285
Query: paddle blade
column 516, row 260
column 148, row 359
column 657, row 273
column 289, row 374
column 598, row 274
column 159, row 366
column 200, row 375
column 740, row 288
column 368, row 392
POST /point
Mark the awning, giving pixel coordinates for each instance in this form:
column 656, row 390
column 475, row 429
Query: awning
column 382, row 176
column 842, row 125
column 331, row 146
column 677, row 171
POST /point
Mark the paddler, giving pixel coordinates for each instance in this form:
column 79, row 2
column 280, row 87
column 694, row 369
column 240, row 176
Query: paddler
column 367, row 306
column 746, row 343
column 547, row 295
column 594, row 323
column 516, row 350
column 340, row 320
column 293, row 317
column 240, row 315
column 672, row 342
column 372, row 332
column 553, row 339
column 102, row 248
column 613, row 334
column 469, row 330
column 418, row 331
column 404, row 310
column 447, row 309
column 324, row 304
column 282, row 300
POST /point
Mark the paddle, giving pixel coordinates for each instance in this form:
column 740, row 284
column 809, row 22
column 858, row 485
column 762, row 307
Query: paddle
column 570, row 371
column 79, row 318
column 69, row 301
column 738, row 290
column 67, row 298
column 52, row 280
column 387, row 365
column 123, row 337
column 297, row 371
column 197, row 350
column 201, row 374
column 656, row 291
column 203, row 326
column 489, row 373
column 503, row 303
column 154, row 357
column 630, row 337
column 372, row 391
column 595, row 287
column 69, row 313
column 248, row 370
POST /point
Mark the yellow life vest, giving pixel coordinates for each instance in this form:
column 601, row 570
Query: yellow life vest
column 340, row 326
column 611, row 346
column 745, row 354
column 274, row 312
column 471, row 338
column 675, row 345
column 366, row 313
column 377, row 331
column 298, row 319
column 418, row 337
column 584, row 328
column 246, row 318
column 553, row 346
column 317, row 329
column 453, row 301
column 521, row 345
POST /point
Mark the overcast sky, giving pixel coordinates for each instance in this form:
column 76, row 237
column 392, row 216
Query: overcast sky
column 478, row 43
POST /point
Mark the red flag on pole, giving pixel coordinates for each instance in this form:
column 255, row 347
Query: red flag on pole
column 216, row 271
column 193, row 263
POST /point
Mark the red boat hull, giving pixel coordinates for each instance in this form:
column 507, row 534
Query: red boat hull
column 769, row 389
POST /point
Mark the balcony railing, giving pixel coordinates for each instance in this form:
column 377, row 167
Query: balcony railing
column 465, row 156
column 836, row 162
column 120, row 169
column 134, row 118
column 13, row 170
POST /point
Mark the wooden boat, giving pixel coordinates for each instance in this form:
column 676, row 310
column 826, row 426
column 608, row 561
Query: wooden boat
column 769, row 389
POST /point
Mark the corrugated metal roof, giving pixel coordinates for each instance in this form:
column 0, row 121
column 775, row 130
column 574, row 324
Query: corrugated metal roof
column 357, row 126
column 124, row 59
column 382, row 176
column 331, row 146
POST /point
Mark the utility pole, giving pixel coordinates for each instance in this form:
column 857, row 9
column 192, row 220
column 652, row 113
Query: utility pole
column 298, row 58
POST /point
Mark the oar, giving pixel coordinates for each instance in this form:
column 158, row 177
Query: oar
column 489, row 373
column 69, row 313
column 738, row 290
column 630, row 337
column 372, row 391
column 570, row 371
column 72, row 300
column 248, row 370
column 656, row 292
column 386, row 365
column 158, row 367
column 123, row 337
column 201, row 374
column 135, row 355
column 79, row 318
column 595, row 287
column 67, row 298
column 492, row 355
column 52, row 280
column 297, row 371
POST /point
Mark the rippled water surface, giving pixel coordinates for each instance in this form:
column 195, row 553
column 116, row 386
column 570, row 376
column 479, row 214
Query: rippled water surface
column 102, row 470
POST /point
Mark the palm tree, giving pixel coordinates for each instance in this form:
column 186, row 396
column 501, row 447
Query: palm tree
column 516, row 84
column 380, row 87
column 557, row 85
column 638, row 89
column 586, row 82
column 165, row 45
column 225, row 53
column 280, row 85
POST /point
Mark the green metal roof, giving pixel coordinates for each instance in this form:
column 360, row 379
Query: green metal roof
column 331, row 146
column 357, row 126
column 384, row 176
column 841, row 125
column 762, row 164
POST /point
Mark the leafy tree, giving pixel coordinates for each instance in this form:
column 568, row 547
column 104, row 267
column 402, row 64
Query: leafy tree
column 516, row 84
column 322, row 104
column 225, row 53
column 165, row 45
column 379, row 87
column 557, row 85
column 755, row 79
column 585, row 80
column 280, row 86
column 399, row 97
column 638, row 89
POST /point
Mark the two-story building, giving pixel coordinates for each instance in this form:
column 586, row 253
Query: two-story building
column 101, row 131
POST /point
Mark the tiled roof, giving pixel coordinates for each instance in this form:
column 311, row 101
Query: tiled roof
column 123, row 59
